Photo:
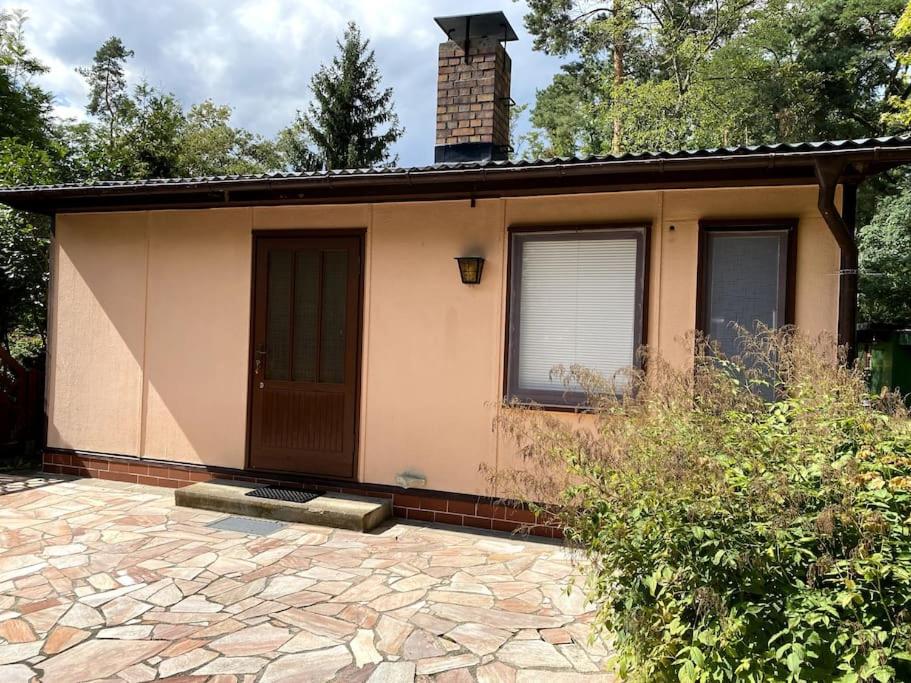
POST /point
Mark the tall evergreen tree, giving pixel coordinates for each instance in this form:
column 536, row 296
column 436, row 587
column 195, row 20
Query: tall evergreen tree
column 351, row 121
column 109, row 101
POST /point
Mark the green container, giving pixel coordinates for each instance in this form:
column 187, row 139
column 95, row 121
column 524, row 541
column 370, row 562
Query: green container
column 885, row 353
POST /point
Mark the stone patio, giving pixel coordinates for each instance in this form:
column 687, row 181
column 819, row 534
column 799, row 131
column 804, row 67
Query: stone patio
column 101, row 580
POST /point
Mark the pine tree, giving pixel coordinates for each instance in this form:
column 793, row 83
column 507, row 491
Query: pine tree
column 106, row 77
column 349, row 111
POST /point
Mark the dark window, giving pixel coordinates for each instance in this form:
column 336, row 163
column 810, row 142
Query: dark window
column 306, row 335
column 745, row 281
column 278, row 320
column 576, row 298
column 333, row 343
column 306, row 314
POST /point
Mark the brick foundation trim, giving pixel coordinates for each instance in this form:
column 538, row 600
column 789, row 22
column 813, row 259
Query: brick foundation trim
column 478, row 512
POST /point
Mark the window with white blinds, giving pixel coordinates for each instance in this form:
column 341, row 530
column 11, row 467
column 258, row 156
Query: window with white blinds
column 576, row 300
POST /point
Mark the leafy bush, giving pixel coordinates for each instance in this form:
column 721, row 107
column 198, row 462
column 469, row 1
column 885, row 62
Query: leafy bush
column 726, row 537
column 24, row 244
column 885, row 262
column 27, row 348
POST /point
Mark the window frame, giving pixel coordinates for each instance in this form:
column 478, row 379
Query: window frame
column 758, row 225
column 563, row 399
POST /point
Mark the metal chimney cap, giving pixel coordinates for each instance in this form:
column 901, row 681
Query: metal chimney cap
column 476, row 26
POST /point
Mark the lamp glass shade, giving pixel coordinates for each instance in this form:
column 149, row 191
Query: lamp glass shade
column 470, row 268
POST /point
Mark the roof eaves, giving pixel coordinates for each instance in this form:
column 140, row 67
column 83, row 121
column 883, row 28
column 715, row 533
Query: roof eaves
column 890, row 149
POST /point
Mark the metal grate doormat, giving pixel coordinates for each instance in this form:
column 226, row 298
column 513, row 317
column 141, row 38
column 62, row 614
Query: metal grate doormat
column 289, row 495
column 245, row 525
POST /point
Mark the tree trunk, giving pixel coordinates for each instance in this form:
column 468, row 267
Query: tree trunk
column 618, row 50
column 110, row 110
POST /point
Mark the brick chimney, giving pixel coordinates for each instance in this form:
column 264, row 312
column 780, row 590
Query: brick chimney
column 473, row 88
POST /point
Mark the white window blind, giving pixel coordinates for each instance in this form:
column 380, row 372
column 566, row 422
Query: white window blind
column 577, row 306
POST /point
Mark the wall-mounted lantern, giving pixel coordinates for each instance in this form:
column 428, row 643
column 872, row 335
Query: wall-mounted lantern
column 470, row 268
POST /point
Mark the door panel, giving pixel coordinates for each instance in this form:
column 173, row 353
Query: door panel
column 305, row 355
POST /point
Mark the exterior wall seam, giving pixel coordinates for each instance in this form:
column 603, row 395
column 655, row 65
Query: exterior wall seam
column 143, row 369
column 502, row 323
column 366, row 324
column 655, row 341
column 50, row 374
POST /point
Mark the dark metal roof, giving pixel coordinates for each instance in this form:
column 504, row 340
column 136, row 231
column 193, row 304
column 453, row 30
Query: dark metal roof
column 780, row 163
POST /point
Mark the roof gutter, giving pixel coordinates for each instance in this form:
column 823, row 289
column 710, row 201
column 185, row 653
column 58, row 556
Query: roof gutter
column 895, row 155
column 488, row 181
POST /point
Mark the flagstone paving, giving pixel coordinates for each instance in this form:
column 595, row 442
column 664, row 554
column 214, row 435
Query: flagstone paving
column 101, row 580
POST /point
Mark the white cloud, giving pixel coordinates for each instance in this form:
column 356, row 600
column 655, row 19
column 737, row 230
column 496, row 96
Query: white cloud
column 259, row 55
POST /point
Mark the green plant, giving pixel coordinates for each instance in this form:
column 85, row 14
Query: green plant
column 727, row 537
column 27, row 348
column 351, row 122
column 885, row 262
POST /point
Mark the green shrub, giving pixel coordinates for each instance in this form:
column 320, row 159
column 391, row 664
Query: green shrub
column 27, row 348
column 729, row 538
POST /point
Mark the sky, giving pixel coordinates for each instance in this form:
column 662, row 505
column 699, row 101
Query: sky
column 258, row 55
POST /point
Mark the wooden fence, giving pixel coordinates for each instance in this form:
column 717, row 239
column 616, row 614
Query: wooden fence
column 21, row 404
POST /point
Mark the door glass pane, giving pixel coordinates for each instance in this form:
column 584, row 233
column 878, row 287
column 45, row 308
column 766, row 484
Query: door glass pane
column 334, row 301
column 745, row 284
column 306, row 315
column 278, row 314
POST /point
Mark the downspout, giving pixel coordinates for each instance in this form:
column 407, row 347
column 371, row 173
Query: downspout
column 842, row 225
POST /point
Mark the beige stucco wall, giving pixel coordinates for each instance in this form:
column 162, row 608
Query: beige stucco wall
column 150, row 319
column 98, row 334
column 198, row 302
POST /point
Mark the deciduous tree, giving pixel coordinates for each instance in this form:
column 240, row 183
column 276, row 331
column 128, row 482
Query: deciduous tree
column 27, row 156
column 210, row 145
column 634, row 79
column 25, row 106
column 704, row 73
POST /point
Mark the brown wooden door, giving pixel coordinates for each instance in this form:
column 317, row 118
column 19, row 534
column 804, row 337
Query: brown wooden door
column 305, row 354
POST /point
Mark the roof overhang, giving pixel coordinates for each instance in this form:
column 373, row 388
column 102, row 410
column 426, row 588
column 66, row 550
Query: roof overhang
column 784, row 165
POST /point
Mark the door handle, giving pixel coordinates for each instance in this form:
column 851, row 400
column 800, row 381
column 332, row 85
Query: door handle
column 258, row 362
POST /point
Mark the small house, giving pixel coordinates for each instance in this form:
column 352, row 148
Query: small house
column 356, row 329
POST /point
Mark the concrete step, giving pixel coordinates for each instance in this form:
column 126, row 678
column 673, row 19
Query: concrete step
column 338, row 510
